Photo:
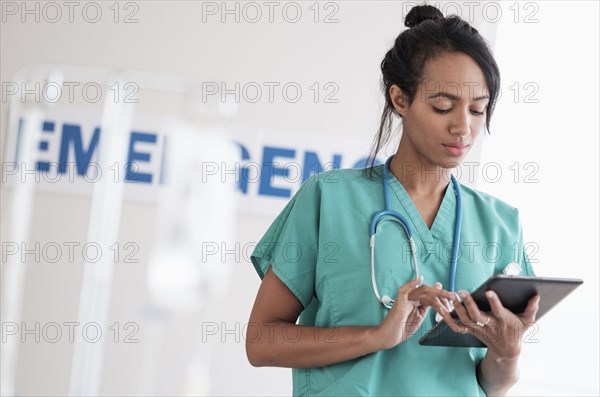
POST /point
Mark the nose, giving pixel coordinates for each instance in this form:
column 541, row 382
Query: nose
column 461, row 123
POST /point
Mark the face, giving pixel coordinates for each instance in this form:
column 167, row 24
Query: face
column 448, row 112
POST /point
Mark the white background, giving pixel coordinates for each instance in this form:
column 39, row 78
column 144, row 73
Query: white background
column 559, row 134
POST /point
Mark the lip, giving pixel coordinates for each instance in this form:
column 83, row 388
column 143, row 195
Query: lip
column 455, row 149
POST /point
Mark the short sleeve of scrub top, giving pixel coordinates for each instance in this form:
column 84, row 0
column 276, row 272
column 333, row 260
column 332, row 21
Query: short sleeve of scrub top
column 319, row 247
column 289, row 245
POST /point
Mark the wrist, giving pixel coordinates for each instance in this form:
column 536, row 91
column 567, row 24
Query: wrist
column 507, row 357
column 375, row 340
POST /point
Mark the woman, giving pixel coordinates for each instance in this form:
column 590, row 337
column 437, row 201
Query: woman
column 441, row 79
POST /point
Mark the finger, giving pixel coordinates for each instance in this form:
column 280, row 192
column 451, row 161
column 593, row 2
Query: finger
column 426, row 298
column 409, row 286
column 421, row 292
column 498, row 309
column 461, row 311
column 528, row 316
column 422, row 310
column 438, row 306
column 429, row 291
column 422, row 296
column 449, row 296
column 447, row 304
column 453, row 323
column 471, row 306
column 437, row 285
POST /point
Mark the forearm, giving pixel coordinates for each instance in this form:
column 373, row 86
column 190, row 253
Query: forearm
column 497, row 375
column 280, row 344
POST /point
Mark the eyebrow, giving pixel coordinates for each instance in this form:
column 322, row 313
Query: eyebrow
column 454, row 97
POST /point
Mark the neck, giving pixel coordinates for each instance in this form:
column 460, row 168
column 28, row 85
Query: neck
column 419, row 177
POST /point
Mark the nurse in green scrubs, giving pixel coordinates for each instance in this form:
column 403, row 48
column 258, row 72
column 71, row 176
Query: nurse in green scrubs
column 316, row 310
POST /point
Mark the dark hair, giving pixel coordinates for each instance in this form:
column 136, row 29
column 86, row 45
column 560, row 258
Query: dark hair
column 429, row 35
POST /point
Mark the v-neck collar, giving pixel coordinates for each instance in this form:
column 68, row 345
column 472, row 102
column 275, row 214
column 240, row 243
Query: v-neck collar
column 438, row 228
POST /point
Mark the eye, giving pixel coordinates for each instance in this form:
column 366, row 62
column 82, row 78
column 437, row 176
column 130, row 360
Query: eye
column 441, row 111
column 446, row 111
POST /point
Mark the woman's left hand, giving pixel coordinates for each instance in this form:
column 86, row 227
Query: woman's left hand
column 500, row 330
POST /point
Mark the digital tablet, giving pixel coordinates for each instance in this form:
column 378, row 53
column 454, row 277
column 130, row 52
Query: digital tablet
column 514, row 293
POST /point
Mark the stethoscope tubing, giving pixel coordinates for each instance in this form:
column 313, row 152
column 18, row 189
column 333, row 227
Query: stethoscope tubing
column 386, row 301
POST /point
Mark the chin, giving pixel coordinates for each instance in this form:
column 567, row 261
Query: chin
column 451, row 164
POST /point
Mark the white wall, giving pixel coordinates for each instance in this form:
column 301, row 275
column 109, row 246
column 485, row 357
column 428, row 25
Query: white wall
column 559, row 53
column 558, row 137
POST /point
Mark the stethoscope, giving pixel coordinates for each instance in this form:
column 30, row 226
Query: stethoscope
column 386, row 301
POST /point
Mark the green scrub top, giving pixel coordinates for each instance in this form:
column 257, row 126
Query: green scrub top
column 319, row 247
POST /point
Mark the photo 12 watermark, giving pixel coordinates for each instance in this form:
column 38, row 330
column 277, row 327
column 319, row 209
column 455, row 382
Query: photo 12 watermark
column 53, row 12
column 525, row 92
column 270, row 92
column 331, row 252
column 69, row 332
column 69, row 91
column 270, row 12
column 488, row 11
column 281, row 332
column 69, row 252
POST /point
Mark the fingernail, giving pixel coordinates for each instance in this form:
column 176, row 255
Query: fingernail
column 463, row 293
column 489, row 294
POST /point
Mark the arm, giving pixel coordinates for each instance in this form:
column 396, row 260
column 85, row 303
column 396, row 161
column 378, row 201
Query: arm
column 273, row 338
column 497, row 375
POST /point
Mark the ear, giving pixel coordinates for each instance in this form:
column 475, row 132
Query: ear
column 399, row 100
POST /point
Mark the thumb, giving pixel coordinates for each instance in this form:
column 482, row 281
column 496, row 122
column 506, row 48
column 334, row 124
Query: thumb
column 528, row 315
column 405, row 289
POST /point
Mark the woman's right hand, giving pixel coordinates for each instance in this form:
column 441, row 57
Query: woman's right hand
column 409, row 310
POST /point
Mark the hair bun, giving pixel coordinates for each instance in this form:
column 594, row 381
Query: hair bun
column 418, row 14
